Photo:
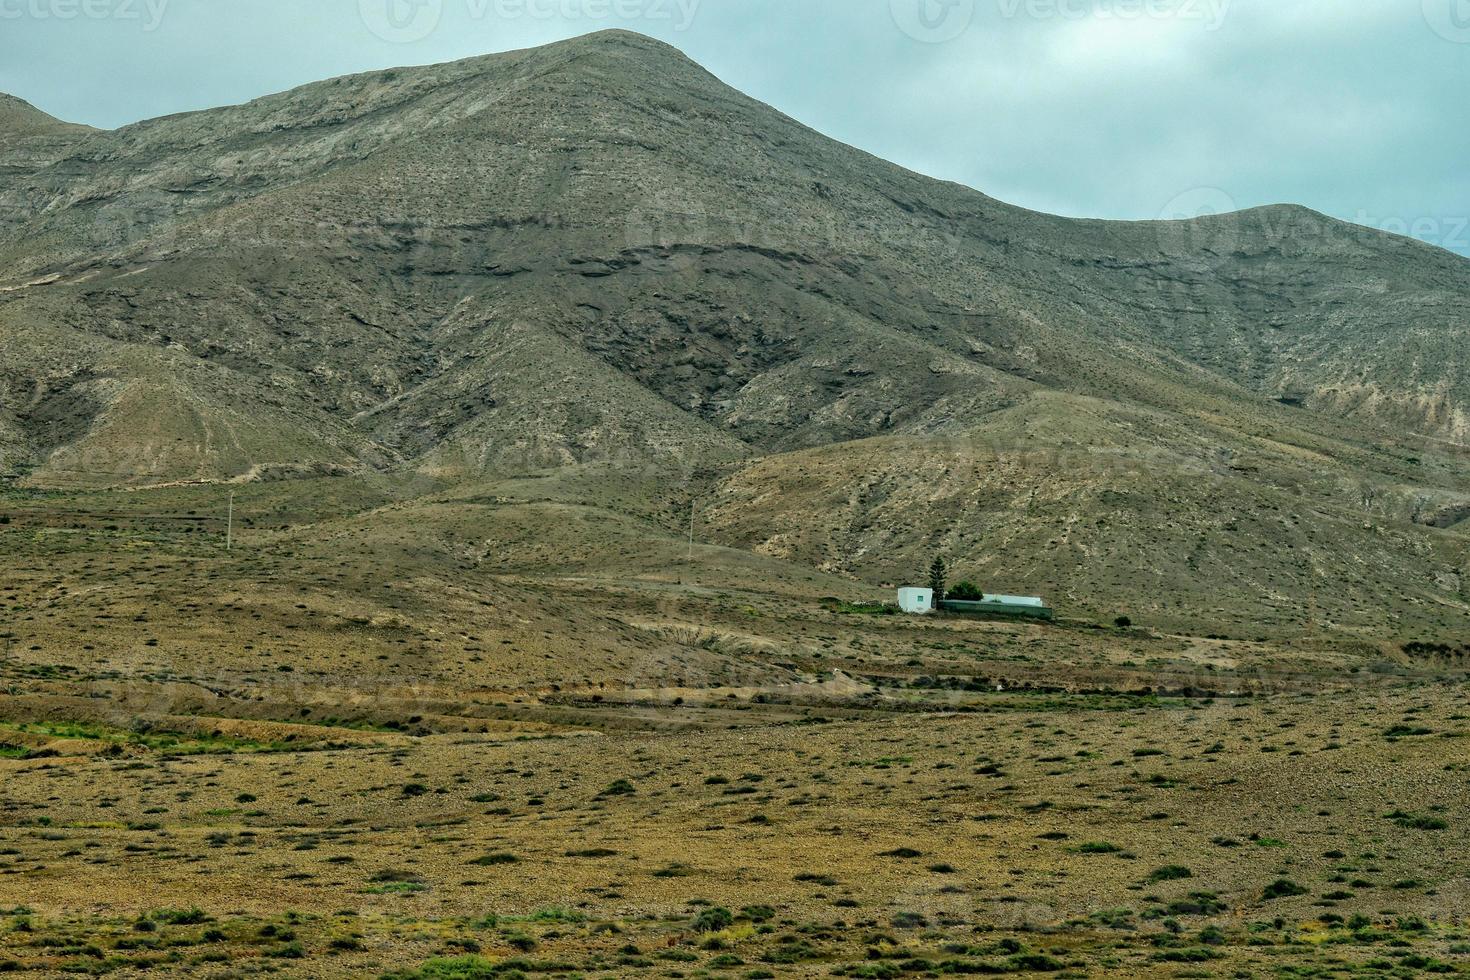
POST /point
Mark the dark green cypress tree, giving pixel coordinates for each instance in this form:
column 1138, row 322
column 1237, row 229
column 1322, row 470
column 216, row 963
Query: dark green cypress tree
column 938, row 573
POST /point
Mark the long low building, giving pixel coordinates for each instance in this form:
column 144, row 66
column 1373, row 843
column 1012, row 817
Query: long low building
column 1002, row 605
column 921, row 602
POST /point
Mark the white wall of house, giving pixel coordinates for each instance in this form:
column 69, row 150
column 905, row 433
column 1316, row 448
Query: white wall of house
column 919, row 601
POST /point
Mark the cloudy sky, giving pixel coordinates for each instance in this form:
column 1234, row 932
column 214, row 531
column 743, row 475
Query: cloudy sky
column 1102, row 108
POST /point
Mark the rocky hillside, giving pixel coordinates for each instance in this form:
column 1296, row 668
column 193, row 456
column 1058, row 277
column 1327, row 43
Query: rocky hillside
column 597, row 253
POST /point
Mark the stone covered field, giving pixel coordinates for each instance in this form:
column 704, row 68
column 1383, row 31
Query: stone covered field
column 1074, row 835
column 480, row 738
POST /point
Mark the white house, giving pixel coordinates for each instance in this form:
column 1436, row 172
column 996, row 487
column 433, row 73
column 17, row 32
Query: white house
column 920, row 601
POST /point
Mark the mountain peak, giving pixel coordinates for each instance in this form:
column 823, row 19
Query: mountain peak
column 19, row 118
column 615, row 43
column 618, row 35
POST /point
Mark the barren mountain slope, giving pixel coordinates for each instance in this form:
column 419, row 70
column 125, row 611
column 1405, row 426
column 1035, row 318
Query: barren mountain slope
column 1111, row 510
column 744, row 269
column 595, row 252
column 31, row 140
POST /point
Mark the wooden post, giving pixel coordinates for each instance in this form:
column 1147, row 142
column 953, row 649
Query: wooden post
column 691, row 532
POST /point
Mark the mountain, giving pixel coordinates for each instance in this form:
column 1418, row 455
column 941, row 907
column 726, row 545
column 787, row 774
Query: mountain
column 595, row 256
column 31, row 140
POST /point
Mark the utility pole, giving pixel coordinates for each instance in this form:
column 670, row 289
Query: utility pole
column 230, row 524
column 691, row 532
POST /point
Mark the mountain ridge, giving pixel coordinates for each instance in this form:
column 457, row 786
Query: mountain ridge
column 596, row 254
column 1263, row 229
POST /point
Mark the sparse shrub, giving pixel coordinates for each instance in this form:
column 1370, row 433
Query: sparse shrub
column 1199, row 955
column 713, row 920
column 455, row 968
column 1412, row 822
column 1282, row 888
column 1035, row 963
column 1170, row 872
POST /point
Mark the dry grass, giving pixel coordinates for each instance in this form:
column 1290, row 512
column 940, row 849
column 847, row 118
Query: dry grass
column 574, row 774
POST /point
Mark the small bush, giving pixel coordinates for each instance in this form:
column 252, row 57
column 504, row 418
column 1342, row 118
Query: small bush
column 1170, row 872
column 965, row 592
column 1282, row 888
column 713, row 920
column 1411, row 822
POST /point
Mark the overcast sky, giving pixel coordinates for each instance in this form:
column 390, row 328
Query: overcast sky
column 1101, row 108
